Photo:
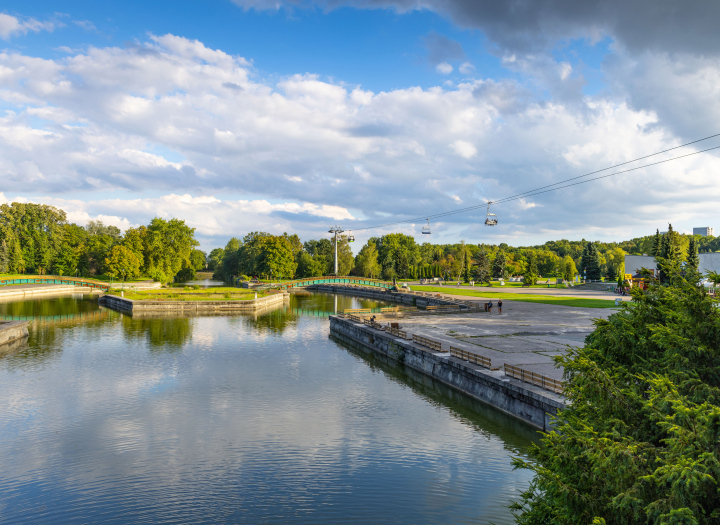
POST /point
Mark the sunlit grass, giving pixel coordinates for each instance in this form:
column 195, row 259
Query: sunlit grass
column 215, row 293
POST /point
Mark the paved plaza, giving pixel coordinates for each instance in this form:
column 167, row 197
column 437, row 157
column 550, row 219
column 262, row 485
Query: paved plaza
column 526, row 335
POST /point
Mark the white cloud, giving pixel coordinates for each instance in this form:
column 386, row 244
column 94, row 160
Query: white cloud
column 463, row 148
column 11, row 26
column 172, row 117
column 444, row 68
column 466, row 68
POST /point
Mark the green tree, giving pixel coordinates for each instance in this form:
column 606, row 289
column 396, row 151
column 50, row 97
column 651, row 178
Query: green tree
column 122, row 263
column 569, row 271
column 639, row 439
column 198, row 259
column 499, row 267
column 692, row 260
column 366, row 261
column 481, row 266
column 4, row 257
column 307, row 266
column 657, row 244
column 531, row 271
column 168, row 245
column 215, row 259
column 275, row 257
column 591, row 263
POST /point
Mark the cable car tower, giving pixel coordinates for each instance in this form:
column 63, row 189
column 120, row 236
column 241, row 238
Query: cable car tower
column 491, row 218
column 426, row 229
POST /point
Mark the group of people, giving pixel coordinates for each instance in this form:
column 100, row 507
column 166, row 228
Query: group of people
column 490, row 306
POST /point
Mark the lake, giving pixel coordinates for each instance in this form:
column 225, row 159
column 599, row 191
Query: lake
column 237, row 419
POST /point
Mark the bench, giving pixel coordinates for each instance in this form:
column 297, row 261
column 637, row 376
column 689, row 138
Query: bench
column 424, row 341
column 469, row 356
column 526, row 285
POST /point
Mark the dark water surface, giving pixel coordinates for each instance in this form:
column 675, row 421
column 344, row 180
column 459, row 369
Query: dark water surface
column 107, row 418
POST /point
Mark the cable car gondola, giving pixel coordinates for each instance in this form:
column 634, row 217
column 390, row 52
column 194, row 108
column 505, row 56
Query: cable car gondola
column 491, row 218
column 426, row 229
column 351, row 237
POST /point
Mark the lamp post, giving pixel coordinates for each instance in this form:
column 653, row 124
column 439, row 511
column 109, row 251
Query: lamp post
column 335, row 230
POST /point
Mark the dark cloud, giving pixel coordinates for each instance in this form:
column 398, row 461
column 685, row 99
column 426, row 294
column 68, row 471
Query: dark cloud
column 525, row 26
column 442, row 49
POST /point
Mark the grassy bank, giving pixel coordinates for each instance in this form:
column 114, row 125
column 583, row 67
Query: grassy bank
column 524, row 298
column 218, row 293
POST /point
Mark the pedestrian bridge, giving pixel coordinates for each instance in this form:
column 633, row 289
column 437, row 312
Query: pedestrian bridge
column 72, row 281
column 312, row 281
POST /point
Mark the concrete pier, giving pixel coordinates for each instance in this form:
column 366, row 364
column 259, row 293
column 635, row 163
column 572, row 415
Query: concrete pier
column 529, row 403
column 174, row 307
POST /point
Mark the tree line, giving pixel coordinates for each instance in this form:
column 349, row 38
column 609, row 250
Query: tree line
column 38, row 239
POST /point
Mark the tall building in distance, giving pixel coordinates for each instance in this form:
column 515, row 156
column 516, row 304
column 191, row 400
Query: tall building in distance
column 703, row 231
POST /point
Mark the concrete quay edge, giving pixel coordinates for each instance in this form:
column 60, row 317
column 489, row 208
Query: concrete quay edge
column 128, row 305
column 12, row 293
column 11, row 331
column 526, row 402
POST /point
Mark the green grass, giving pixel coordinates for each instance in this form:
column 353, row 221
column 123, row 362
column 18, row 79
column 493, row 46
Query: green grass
column 216, row 293
column 523, row 298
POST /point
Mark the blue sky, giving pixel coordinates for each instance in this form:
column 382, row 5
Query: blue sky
column 290, row 116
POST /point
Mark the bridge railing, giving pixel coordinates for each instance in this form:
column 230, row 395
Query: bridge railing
column 332, row 279
column 72, row 281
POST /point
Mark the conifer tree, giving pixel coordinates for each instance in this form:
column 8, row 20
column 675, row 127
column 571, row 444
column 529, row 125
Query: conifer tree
column 481, row 269
column 591, row 263
column 692, row 260
column 657, row 244
column 499, row 267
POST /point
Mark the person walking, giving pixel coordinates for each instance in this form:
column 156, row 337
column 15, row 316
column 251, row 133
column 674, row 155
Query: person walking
column 499, row 306
column 490, row 305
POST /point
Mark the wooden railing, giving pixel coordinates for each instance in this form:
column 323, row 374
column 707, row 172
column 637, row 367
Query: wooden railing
column 357, row 310
column 397, row 332
column 373, row 324
column 442, row 307
column 547, row 383
column 424, row 341
column 469, row 356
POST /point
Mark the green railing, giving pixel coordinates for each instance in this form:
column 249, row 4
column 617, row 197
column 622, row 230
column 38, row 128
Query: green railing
column 72, row 281
column 311, row 281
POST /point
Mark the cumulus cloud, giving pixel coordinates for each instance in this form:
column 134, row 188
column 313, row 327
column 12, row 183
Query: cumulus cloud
column 171, row 116
column 466, row 68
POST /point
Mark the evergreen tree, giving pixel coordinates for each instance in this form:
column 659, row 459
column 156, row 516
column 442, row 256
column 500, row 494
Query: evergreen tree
column 591, row 263
column 466, row 267
column 692, row 259
column 499, row 267
column 4, row 257
column 481, row 269
column 657, row 244
column 638, row 439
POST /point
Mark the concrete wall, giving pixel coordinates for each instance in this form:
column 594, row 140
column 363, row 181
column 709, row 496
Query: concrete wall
column 11, row 331
column 128, row 305
column 526, row 402
column 381, row 294
column 14, row 293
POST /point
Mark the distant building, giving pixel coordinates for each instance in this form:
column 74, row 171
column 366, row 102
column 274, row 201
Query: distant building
column 707, row 262
column 703, row 231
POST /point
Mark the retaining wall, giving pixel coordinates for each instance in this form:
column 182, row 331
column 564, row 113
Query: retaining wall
column 14, row 293
column 404, row 298
column 130, row 306
column 12, row 331
column 521, row 400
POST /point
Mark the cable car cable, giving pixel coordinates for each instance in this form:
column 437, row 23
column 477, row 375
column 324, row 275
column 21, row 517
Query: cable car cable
column 548, row 188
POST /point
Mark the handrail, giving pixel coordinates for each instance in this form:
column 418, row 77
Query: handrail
column 330, row 279
column 72, row 281
column 430, row 343
column 471, row 357
column 527, row 376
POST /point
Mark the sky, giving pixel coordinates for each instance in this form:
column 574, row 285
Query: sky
column 299, row 115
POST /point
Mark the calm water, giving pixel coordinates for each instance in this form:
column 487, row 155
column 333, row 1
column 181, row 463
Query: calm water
column 112, row 419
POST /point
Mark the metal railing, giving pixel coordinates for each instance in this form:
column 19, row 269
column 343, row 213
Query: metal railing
column 545, row 382
column 471, row 357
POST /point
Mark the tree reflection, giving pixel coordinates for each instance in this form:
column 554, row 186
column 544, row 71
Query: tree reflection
column 161, row 333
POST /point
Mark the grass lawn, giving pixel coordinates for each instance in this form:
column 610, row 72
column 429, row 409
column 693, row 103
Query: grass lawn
column 525, row 298
column 218, row 293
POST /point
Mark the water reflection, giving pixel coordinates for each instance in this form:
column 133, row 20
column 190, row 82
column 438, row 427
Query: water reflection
column 240, row 419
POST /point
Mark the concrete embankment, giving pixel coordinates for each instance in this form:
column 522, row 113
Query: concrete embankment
column 28, row 291
column 12, row 331
column 524, row 401
column 421, row 300
column 170, row 307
